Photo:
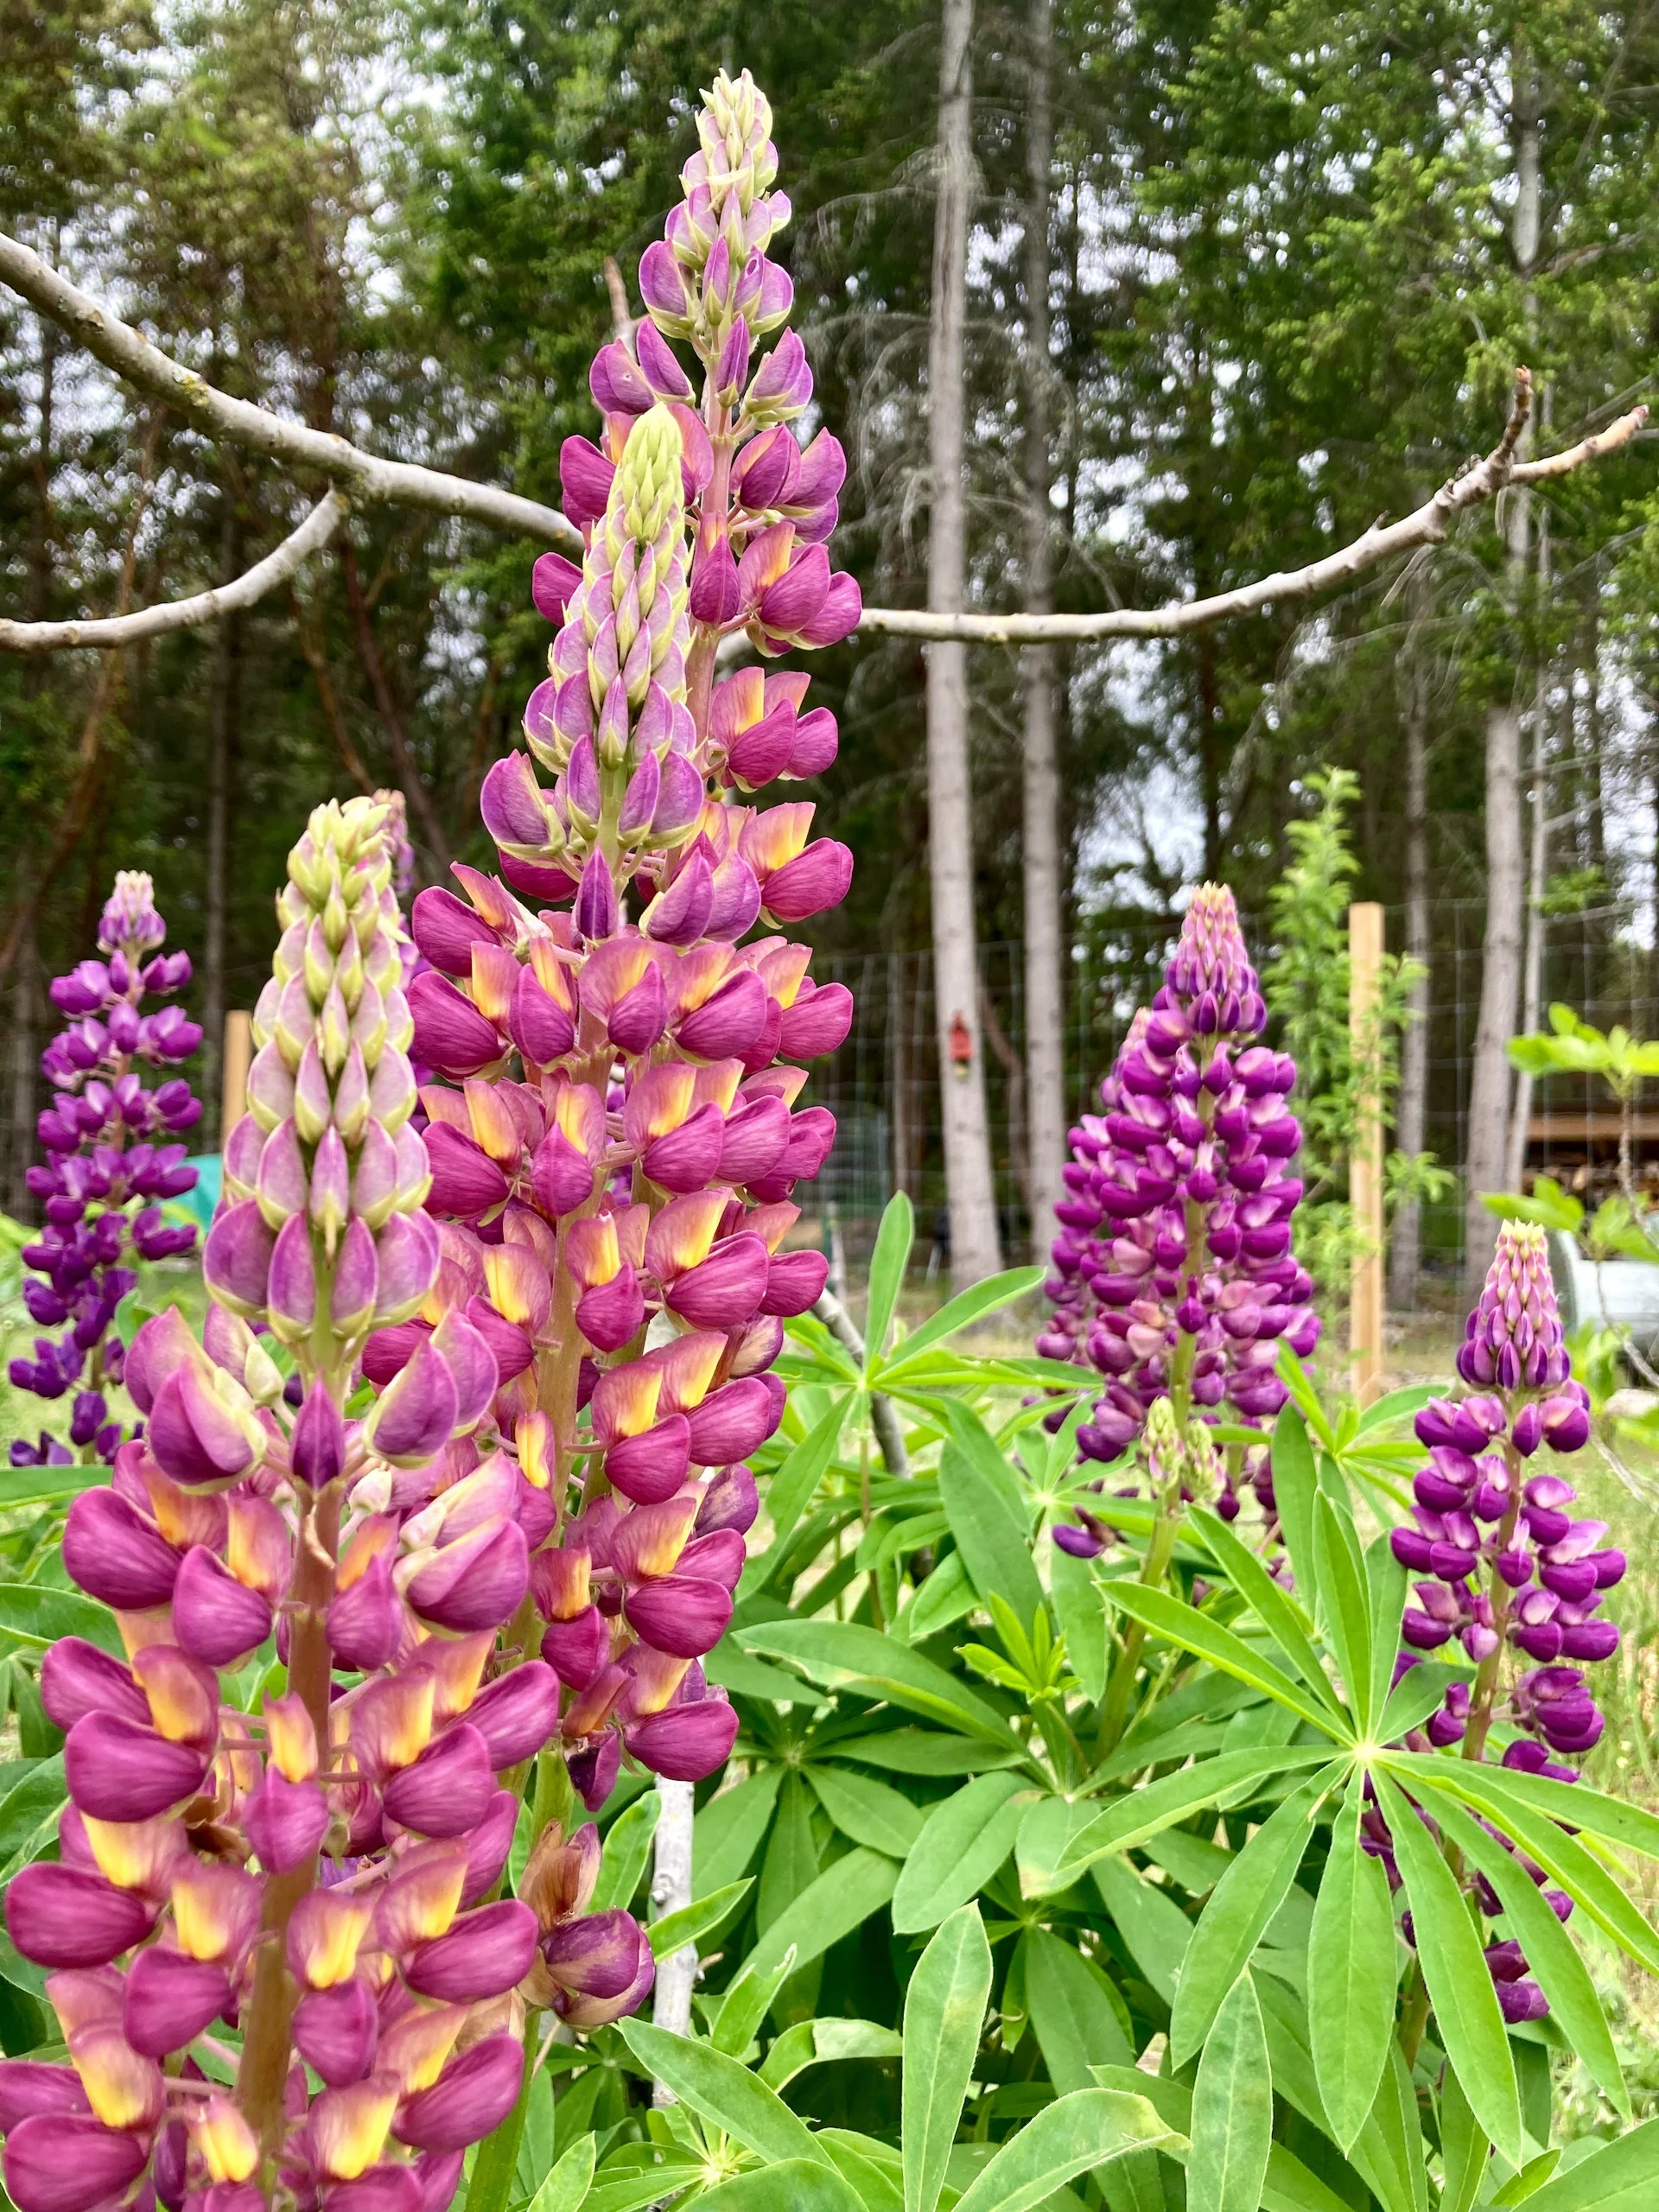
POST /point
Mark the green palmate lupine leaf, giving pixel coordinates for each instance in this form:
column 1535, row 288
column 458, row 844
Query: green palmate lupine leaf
column 1472, row 2029
column 724, row 2092
column 793, row 2184
column 792, row 1857
column 1154, row 1930
column 1397, row 1406
column 1551, row 1955
column 1240, row 1905
column 959, row 1312
column 1372, row 2161
column 1128, row 1820
column 844, row 1655
column 747, row 2002
column 1289, row 2185
column 1353, row 1972
column 1615, row 1820
column 745, row 1675
column 995, row 1544
column 627, row 1847
column 823, row 2042
column 566, row 2186
column 1081, row 2131
column 845, row 1896
column 1385, row 1585
column 35, row 1616
column 1345, row 1601
column 29, row 1486
column 792, row 1490
column 888, row 1264
column 1273, row 1606
column 1464, row 2148
column 29, row 1810
column 1421, row 1691
column 674, row 1929
column 965, row 1840
column 1232, row 2107
column 1623, row 2178
column 943, row 2007
column 728, row 1830
column 923, row 1751
column 1046, row 1828
column 1398, row 2126
column 972, row 1438
column 1563, row 1857
column 1206, row 1638
column 1295, row 1484
column 871, row 2170
column 869, row 1812
column 641, row 2175
column 947, row 1595
column 1078, row 2018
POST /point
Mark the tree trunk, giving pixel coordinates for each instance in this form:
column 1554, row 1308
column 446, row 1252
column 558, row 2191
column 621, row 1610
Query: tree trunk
column 898, row 1017
column 1411, row 1114
column 422, row 812
column 969, row 1188
column 224, row 718
column 1044, row 1020
column 24, row 1049
column 1537, row 875
column 1488, row 1147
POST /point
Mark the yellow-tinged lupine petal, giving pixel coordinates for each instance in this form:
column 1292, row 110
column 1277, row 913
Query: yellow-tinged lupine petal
column 214, row 1908
column 259, row 1550
column 649, row 1539
column 625, row 1400
column 518, row 1285
column 137, row 1854
column 348, row 2127
column 229, row 2147
column 579, row 1111
column 183, row 1705
column 124, row 2089
column 591, row 1250
column 492, row 1127
column 457, row 1666
column 370, row 1540
column 718, row 1082
column 681, row 1233
column 668, row 1095
column 781, row 970
column 778, row 836
column 415, row 2051
column 324, row 1932
column 688, row 1366
column 422, row 1898
column 392, row 1723
column 494, row 973
column 292, row 1738
column 537, row 1448
column 698, row 974
column 554, row 974
column 657, row 1676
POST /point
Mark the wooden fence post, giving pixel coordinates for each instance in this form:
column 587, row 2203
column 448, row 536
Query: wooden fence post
column 235, row 1061
column 1365, row 1307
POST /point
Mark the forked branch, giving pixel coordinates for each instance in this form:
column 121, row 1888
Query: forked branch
column 217, row 415
column 1426, row 526
column 243, row 591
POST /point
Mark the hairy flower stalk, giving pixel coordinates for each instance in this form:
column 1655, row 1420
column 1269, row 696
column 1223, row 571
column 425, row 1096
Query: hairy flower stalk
column 299, row 1887
column 108, row 1164
column 1509, row 1573
column 615, row 1145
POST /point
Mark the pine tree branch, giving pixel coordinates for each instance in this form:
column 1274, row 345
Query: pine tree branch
column 243, row 591
column 1429, row 525
column 217, row 415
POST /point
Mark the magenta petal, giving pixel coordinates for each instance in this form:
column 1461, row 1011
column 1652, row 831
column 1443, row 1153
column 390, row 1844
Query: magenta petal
column 686, row 1743
column 472, row 2096
column 416, row 1417
column 169, row 1998
column 117, row 1770
column 216, row 1618
column 488, row 1844
column 285, row 1821
column 61, row 1917
column 406, row 1256
column 731, row 1423
column 726, row 1288
column 30, row 2086
column 450, row 1033
column 537, row 1024
column 192, row 1435
column 235, row 1258
column 162, row 1345
column 683, row 1614
column 474, row 1583
column 366, row 1622
column 65, row 2162
column 678, row 915
column 335, row 2031
column 552, row 582
column 727, row 1023
column 613, row 1312
column 595, row 1955
column 446, row 929
column 292, row 1285
column 448, row 1789
column 817, row 1022
column 816, row 878
column 466, row 1353
column 795, row 1282
column 76, row 1678
column 116, row 1554
column 483, row 1954
column 517, row 1714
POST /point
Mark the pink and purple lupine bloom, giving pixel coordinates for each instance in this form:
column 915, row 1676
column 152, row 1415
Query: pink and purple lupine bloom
column 1512, row 1581
column 1174, row 1272
column 615, row 1145
column 109, row 1164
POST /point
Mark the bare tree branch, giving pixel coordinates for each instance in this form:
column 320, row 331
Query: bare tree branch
column 397, row 483
column 1426, row 525
column 266, row 576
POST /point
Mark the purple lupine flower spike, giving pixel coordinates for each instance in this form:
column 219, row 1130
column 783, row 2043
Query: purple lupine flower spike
column 1173, row 1264
column 1506, row 1567
column 110, row 1167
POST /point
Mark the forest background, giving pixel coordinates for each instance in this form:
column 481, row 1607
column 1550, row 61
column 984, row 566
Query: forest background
column 1292, row 255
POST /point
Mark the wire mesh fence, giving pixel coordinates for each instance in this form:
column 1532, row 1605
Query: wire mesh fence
column 883, row 1086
